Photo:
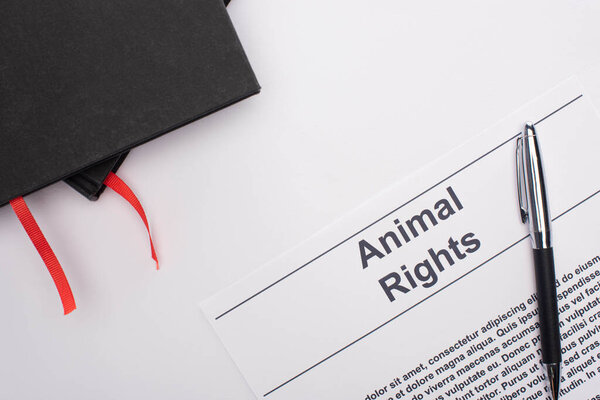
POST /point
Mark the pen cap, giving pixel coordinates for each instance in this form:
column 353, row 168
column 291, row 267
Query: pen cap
column 534, row 185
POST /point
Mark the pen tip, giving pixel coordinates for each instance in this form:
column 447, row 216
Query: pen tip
column 553, row 371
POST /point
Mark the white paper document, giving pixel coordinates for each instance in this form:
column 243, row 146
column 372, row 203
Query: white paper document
column 427, row 291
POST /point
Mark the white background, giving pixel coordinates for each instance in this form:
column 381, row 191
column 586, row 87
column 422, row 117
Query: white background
column 356, row 94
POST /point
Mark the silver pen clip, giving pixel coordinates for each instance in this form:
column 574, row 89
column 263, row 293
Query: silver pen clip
column 521, row 181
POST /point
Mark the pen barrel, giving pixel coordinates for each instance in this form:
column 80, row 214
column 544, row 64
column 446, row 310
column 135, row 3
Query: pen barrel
column 547, row 305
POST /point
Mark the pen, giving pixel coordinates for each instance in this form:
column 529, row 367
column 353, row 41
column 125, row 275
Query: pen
column 533, row 204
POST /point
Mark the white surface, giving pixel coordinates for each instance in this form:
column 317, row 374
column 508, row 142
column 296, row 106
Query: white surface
column 340, row 117
column 317, row 317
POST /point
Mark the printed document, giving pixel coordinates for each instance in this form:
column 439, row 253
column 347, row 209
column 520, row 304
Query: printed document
column 427, row 291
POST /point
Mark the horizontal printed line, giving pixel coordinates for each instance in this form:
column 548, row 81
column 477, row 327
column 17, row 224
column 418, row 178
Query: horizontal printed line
column 391, row 212
column 575, row 206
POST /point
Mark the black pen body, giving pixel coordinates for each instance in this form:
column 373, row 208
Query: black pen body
column 533, row 202
column 545, row 279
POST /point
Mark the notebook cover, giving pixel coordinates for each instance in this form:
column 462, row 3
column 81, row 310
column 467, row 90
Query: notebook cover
column 84, row 81
column 89, row 182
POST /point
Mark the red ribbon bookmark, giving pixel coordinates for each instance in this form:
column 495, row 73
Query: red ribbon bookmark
column 116, row 184
column 41, row 245
column 43, row 248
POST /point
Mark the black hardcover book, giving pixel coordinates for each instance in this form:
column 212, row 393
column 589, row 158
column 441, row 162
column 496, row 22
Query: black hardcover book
column 89, row 182
column 85, row 81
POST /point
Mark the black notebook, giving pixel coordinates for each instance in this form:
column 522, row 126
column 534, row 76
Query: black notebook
column 90, row 182
column 85, row 81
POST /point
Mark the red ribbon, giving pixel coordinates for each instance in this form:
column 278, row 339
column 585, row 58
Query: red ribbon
column 116, row 184
column 41, row 245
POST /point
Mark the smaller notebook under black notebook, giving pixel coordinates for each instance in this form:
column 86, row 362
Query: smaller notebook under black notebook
column 90, row 182
column 85, row 81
